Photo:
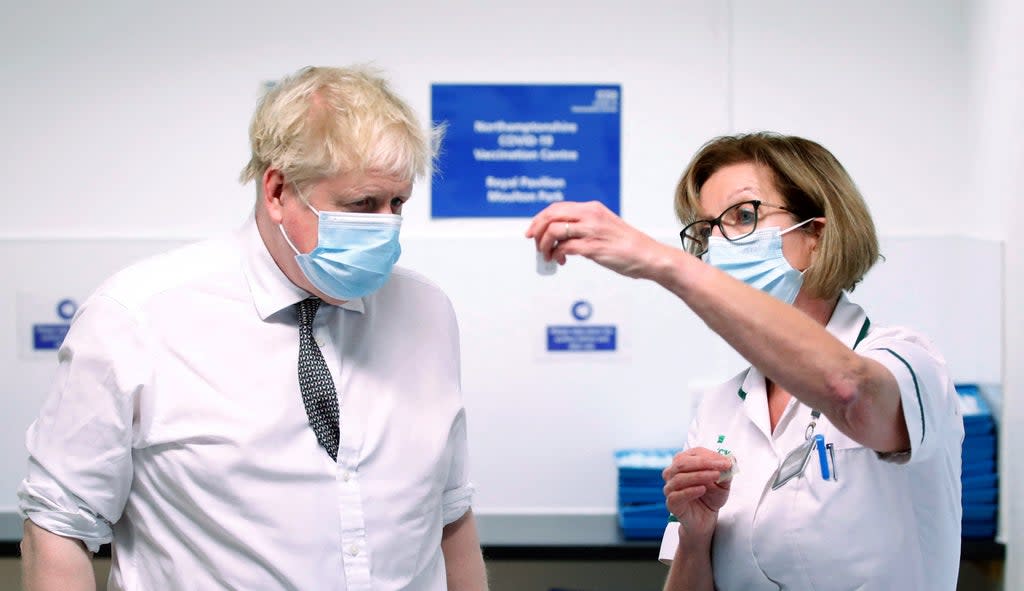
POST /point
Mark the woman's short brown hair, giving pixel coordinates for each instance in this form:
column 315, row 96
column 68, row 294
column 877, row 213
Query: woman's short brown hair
column 813, row 184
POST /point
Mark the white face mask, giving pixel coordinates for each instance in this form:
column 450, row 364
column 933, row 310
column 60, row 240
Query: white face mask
column 757, row 260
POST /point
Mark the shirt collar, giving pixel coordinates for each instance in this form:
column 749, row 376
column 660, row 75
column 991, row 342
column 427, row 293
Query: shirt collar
column 848, row 323
column 271, row 289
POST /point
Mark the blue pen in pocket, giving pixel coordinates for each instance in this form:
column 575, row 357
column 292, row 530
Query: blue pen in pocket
column 819, row 442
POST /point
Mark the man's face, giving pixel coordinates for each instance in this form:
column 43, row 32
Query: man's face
column 351, row 192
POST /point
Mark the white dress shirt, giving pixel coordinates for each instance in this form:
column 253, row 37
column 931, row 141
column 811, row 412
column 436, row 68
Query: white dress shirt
column 882, row 524
column 176, row 427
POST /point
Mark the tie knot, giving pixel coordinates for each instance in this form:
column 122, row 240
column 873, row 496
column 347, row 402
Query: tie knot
column 307, row 311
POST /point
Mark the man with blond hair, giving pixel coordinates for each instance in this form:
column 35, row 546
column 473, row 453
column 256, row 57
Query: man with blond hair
column 275, row 409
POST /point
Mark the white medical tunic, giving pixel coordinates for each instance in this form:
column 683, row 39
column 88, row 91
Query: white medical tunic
column 176, row 427
column 883, row 523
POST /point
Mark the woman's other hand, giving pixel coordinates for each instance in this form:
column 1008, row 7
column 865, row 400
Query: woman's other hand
column 692, row 491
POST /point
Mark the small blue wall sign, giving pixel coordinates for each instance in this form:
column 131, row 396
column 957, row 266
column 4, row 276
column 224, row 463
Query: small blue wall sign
column 49, row 336
column 581, row 337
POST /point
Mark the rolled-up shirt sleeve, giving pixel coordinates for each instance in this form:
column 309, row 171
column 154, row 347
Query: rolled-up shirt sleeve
column 930, row 405
column 80, row 446
column 458, row 493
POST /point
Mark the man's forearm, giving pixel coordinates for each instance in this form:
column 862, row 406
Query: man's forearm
column 51, row 562
column 464, row 562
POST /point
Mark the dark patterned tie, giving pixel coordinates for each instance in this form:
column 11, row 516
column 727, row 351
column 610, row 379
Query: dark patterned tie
column 318, row 393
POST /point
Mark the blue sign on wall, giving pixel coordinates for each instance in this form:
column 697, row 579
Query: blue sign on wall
column 582, row 337
column 46, row 336
column 511, row 150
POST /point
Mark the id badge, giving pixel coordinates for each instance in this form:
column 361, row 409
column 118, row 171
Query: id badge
column 794, row 464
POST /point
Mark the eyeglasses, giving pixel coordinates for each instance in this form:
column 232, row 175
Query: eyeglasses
column 736, row 222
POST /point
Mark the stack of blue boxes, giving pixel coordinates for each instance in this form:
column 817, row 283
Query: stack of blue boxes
column 979, row 475
column 641, row 506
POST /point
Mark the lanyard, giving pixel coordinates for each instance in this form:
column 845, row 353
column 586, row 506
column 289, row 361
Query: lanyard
column 795, row 462
column 815, row 413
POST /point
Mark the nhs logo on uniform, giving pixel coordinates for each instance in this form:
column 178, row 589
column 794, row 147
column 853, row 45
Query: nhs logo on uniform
column 581, row 337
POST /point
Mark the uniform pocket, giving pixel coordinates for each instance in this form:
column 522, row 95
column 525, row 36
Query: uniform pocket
column 848, row 519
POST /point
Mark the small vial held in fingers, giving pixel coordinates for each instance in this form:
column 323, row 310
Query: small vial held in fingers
column 728, row 474
column 545, row 267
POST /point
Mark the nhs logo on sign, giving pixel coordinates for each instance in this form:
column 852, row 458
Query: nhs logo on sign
column 49, row 336
column 581, row 337
column 606, row 100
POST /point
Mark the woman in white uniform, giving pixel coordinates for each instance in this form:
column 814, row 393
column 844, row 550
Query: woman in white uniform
column 833, row 462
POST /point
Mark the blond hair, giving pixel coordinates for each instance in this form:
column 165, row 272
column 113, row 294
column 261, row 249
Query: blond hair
column 324, row 121
column 813, row 184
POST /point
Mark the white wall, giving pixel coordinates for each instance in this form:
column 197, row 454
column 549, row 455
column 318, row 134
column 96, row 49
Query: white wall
column 997, row 141
column 131, row 119
column 880, row 83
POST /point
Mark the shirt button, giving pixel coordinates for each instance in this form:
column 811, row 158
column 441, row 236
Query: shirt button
column 320, row 343
column 346, row 476
column 353, row 550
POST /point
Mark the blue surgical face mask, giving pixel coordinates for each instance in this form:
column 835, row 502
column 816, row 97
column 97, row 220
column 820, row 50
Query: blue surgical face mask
column 354, row 253
column 757, row 260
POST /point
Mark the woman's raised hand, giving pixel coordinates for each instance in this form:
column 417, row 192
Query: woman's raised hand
column 593, row 231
